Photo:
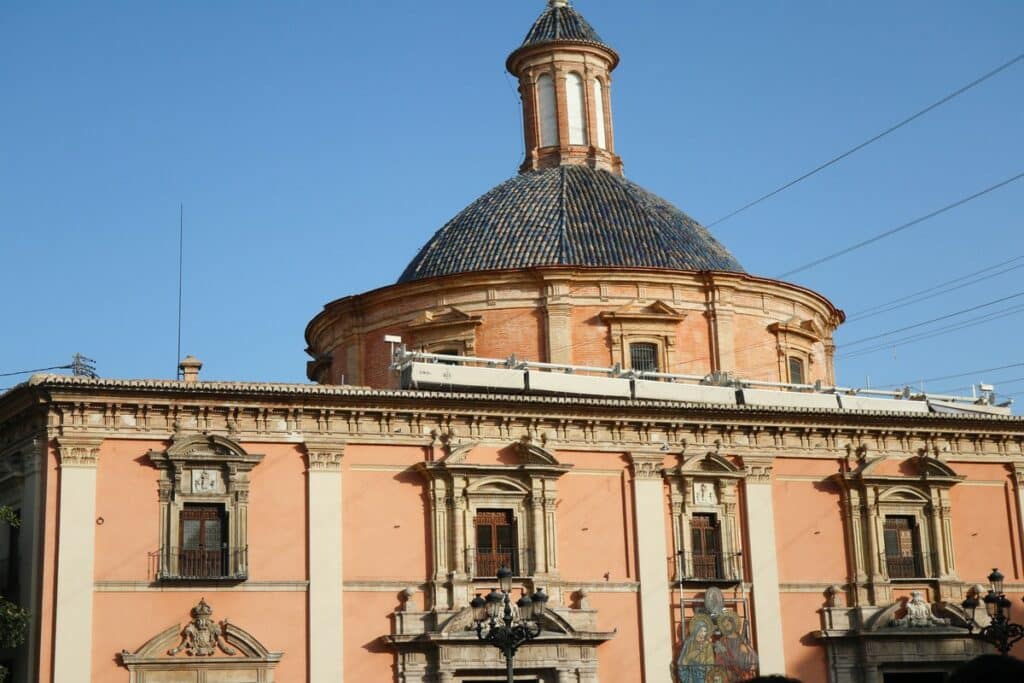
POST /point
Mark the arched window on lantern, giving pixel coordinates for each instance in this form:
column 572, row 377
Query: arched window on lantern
column 602, row 141
column 546, row 106
column 577, row 114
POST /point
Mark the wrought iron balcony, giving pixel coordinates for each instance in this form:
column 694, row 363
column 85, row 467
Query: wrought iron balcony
column 910, row 567
column 712, row 567
column 199, row 564
column 484, row 563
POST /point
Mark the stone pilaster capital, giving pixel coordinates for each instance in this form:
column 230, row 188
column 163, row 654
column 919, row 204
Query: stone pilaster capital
column 324, row 456
column 647, row 465
column 1018, row 473
column 759, row 470
column 78, row 451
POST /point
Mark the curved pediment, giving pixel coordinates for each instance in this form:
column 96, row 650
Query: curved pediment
column 903, row 494
column 498, row 485
column 202, row 643
column 709, row 463
column 551, row 622
column 204, row 448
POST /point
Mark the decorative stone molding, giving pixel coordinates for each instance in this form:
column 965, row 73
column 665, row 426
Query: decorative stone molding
column 920, row 491
column 210, row 469
column 77, row 452
column 457, row 488
column 222, row 650
column 759, row 470
column 442, row 646
column 647, row 465
column 324, row 458
column 448, row 328
column 655, row 323
column 706, row 484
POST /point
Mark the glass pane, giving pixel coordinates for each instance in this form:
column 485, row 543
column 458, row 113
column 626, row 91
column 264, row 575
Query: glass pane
column 506, row 539
column 643, row 357
column 190, row 534
column 796, row 371
column 484, row 538
column 577, row 115
column 211, row 539
column 546, row 104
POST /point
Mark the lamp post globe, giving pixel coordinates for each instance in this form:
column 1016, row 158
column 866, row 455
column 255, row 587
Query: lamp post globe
column 498, row 625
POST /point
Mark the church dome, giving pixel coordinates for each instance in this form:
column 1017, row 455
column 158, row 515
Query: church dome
column 569, row 216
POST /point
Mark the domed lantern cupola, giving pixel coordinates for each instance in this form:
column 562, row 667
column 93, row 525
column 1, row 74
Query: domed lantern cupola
column 564, row 71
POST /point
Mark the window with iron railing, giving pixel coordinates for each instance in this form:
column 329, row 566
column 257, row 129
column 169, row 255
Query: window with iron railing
column 643, row 357
column 706, row 546
column 495, row 533
column 902, row 547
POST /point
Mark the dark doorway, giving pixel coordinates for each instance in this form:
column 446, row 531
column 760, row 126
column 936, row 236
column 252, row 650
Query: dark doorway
column 914, row 677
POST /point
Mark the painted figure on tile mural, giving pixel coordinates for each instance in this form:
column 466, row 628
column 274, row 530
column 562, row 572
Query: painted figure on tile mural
column 732, row 652
column 696, row 662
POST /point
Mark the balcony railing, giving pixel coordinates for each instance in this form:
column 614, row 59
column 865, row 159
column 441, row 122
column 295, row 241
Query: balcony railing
column 485, row 563
column 916, row 566
column 710, row 567
column 179, row 564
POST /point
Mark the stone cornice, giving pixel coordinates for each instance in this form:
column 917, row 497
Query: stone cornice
column 156, row 409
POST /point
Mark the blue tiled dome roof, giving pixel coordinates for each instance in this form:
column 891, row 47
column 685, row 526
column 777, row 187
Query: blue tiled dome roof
column 561, row 23
column 572, row 216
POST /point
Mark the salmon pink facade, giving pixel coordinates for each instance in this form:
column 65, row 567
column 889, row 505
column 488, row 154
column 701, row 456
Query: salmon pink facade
column 574, row 384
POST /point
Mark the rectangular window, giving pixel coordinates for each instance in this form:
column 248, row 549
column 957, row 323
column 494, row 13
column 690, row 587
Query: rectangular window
column 796, row 370
column 705, row 542
column 495, row 532
column 643, row 357
column 203, row 550
column 902, row 550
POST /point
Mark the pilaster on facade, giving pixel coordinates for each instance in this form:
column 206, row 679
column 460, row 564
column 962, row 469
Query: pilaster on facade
column 558, row 319
column 652, row 555
column 78, row 458
column 721, row 315
column 764, row 568
column 326, row 598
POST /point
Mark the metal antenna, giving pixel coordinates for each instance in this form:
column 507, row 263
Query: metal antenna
column 83, row 367
column 181, row 242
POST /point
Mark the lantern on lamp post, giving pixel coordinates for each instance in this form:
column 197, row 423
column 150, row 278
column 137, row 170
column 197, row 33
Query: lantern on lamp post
column 500, row 626
column 1000, row 631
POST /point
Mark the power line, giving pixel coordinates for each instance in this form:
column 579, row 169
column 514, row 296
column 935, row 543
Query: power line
column 917, row 297
column 29, row 372
column 988, row 317
column 900, row 228
column 932, row 320
column 864, row 144
column 954, row 376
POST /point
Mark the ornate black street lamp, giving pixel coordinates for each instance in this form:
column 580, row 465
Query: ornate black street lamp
column 498, row 625
column 1000, row 631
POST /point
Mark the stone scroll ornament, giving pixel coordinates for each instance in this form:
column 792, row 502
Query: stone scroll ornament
column 717, row 647
column 202, row 636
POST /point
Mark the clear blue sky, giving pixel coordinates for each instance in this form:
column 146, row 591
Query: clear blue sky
column 316, row 146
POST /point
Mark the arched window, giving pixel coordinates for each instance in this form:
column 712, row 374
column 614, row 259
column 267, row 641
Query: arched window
column 577, row 114
column 599, row 110
column 796, row 370
column 546, row 104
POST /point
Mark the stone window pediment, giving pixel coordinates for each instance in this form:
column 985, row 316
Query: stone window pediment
column 705, row 522
column 446, row 329
column 518, row 481
column 204, row 503
column 655, row 323
column 899, row 524
column 193, row 652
